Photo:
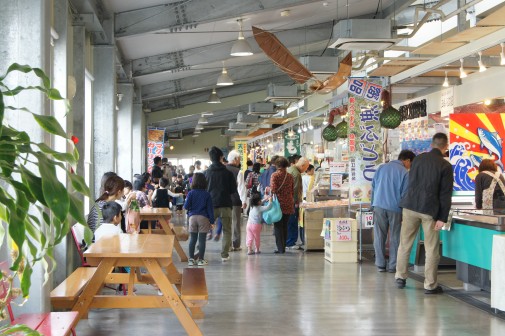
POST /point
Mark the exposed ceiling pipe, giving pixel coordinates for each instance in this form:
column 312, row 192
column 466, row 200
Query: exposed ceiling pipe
column 418, row 25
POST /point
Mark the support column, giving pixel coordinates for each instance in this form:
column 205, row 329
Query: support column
column 25, row 39
column 105, row 116
column 139, row 139
column 124, row 129
column 63, row 252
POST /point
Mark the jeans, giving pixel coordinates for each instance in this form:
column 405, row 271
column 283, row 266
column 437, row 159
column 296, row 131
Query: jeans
column 384, row 221
column 201, row 237
column 225, row 215
column 292, row 229
column 410, row 227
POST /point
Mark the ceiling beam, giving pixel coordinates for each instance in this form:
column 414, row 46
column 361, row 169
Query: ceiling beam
column 452, row 56
column 188, row 14
column 221, row 51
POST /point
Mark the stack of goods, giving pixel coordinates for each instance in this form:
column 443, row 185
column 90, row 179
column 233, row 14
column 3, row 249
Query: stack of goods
column 340, row 240
column 312, row 220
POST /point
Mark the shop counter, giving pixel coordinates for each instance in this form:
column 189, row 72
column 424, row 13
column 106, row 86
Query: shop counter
column 470, row 243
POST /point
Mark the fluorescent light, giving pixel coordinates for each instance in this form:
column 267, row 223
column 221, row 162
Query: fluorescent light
column 446, row 81
column 224, row 79
column 462, row 73
column 199, row 127
column 482, row 67
column 203, row 120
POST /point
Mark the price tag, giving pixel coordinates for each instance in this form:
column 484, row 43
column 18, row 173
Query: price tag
column 367, row 220
column 344, row 231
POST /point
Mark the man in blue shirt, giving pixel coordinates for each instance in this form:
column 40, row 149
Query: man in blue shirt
column 389, row 186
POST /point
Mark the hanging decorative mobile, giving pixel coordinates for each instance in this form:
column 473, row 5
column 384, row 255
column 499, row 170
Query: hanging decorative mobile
column 389, row 117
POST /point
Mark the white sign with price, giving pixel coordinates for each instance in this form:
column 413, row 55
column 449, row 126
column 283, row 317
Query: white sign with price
column 344, row 230
column 367, row 220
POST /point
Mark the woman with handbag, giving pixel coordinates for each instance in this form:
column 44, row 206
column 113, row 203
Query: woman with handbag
column 281, row 185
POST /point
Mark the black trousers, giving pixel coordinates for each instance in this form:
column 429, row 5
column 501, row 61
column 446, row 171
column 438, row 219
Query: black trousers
column 281, row 233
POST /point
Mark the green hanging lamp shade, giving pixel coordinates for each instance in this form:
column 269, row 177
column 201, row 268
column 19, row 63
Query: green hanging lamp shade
column 330, row 133
column 342, row 129
column 390, row 118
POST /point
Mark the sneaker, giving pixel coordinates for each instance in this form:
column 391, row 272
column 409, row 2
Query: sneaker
column 209, row 236
column 191, row 262
column 217, row 237
column 436, row 290
column 231, row 249
column 202, row 262
column 381, row 269
column 392, row 270
column 400, row 283
column 250, row 253
column 225, row 258
column 258, row 252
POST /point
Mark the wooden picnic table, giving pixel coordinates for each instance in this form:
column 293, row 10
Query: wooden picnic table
column 163, row 215
column 153, row 252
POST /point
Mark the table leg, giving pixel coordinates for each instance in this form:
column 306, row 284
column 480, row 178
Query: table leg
column 131, row 281
column 169, row 231
column 174, row 300
column 93, row 286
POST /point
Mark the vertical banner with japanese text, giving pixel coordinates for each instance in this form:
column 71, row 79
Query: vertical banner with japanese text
column 241, row 147
column 155, row 145
column 291, row 143
column 365, row 138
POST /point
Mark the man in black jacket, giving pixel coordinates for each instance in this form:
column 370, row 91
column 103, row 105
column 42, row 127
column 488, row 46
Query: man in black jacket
column 221, row 185
column 427, row 203
column 157, row 173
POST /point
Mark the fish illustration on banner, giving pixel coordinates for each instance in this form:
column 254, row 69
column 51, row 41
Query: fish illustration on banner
column 473, row 138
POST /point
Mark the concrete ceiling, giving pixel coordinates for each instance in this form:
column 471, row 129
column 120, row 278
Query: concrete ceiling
column 173, row 50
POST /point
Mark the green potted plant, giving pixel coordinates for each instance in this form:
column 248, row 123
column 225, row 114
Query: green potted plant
column 29, row 187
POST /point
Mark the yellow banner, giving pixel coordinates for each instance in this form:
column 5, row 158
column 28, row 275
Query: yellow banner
column 241, row 147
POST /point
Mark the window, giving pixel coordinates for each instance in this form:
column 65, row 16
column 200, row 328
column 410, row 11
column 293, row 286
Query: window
column 88, row 134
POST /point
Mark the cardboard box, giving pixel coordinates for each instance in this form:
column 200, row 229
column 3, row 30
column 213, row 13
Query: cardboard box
column 314, row 243
column 332, row 223
column 315, row 215
column 313, row 224
column 341, row 257
column 331, row 246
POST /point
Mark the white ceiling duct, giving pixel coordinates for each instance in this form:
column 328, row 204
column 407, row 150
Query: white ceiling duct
column 234, row 127
column 244, row 119
column 261, row 108
column 276, row 93
column 363, row 34
column 323, row 66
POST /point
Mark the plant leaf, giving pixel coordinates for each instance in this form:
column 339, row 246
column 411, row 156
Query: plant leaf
column 45, row 80
column 65, row 157
column 76, row 209
column 34, row 183
column 55, row 194
column 2, row 111
column 50, row 124
column 54, row 94
column 79, row 184
column 88, row 235
column 26, row 280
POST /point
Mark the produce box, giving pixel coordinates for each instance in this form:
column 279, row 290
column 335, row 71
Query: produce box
column 341, row 257
column 332, row 246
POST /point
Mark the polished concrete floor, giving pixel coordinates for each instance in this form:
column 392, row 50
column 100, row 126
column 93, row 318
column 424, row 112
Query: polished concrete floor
column 301, row 294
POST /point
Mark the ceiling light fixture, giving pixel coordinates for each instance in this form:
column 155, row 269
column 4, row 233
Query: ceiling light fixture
column 310, row 125
column 214, row 98
column 199, row 127
column 203, row 120
column 502, row 54
column 197, row 131
column 224, row 79
column 482, row 67
column 241, row 47
column 305, row 128
column 462, row 73
column 446, row 81
column 299, row 129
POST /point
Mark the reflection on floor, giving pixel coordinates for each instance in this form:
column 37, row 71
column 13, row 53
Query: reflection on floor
column 301, row 294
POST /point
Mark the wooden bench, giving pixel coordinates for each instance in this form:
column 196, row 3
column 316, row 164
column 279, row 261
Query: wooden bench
column 194, row 291
column 65, row 295
column 47, row 324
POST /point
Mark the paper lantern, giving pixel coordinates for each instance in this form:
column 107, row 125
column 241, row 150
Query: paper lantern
column 390, row 118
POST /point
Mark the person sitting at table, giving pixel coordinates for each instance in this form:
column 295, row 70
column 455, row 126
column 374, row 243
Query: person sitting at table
column 111, row 213
column 112, row 190
column 201, row 217
column 143, row 201
column 161, row 196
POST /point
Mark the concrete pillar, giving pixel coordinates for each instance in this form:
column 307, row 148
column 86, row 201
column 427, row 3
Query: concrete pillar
column 124, row 130
column 25, row 39
column 138, row 139
column 104, row 109
column 63, row 252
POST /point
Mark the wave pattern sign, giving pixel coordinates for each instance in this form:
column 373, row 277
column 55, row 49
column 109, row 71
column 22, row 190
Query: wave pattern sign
column 473, row 138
